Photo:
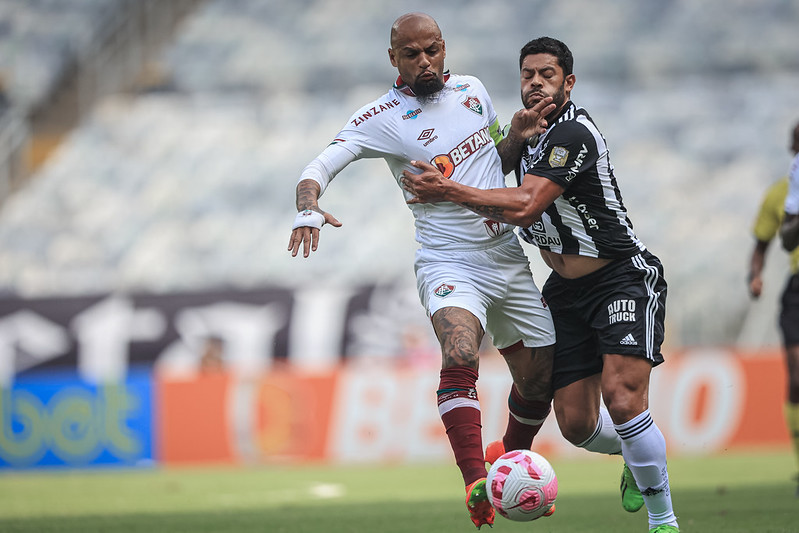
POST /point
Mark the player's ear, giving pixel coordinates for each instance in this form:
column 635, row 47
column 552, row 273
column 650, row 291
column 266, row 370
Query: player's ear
column 391, row 57
column 569, row 82
column 444, row 47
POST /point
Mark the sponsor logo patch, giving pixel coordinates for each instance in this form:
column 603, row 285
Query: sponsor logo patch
column 460, row 87
column 621, row 311
column 412, row 114
column 493, row 227
column 558, row 157
column 472, row 103
column 446, row 163
column 444, row 290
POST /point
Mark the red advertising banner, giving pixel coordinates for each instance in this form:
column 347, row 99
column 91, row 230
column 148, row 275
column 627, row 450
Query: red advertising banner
column 705, row 401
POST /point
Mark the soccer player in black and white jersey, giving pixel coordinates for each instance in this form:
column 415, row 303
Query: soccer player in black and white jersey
column 606, row 292
column 472, row 275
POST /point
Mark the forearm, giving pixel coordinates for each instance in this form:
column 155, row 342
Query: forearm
column 511, row 205
column 308, row 191
column 510, row 151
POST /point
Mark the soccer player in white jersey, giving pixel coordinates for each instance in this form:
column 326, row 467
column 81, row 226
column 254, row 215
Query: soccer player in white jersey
column 607, row 293
column 472, row 275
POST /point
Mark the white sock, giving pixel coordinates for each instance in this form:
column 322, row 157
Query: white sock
column 604, row 439
column 644, row 451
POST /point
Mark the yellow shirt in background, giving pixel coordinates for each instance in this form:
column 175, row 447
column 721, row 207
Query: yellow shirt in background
column 772, row 210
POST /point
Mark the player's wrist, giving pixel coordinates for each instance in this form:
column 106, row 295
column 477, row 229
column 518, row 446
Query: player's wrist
column 309, row 218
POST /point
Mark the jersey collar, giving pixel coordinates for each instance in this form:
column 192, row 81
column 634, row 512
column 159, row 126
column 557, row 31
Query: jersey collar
column 405, row 88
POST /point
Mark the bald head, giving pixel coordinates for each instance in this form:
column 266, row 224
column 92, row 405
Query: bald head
column 410, row 25
column 418, row 52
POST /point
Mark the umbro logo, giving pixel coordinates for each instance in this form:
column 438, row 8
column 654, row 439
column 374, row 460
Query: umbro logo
column 427, row 136
column 629, row 340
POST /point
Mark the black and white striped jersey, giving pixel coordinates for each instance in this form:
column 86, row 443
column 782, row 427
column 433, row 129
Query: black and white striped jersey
column 589, row 218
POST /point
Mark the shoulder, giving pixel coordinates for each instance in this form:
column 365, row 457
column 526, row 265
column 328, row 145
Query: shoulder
column 388, row 104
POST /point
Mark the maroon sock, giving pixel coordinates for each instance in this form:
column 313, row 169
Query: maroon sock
column 524, row 420
column 460, row 411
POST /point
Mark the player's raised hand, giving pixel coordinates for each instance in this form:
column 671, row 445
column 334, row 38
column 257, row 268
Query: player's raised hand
column 530, row 122
column 427, row 187
column 306, row 230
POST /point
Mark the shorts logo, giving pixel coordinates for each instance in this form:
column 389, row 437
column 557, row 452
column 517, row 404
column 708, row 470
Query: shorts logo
column 629, row 340
column 558, row 157
column 473, row 105
column 493, row 227
column 444, row 290
column 622, row 311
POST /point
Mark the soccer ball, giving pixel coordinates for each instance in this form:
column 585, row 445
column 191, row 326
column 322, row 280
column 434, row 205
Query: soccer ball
column 521, row 485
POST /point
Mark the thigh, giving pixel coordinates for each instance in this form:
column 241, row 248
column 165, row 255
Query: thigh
column 576, row 352
column 531, row 370
column 460, row 334
column 576, row 408
column 516, row 311
column 625, row 386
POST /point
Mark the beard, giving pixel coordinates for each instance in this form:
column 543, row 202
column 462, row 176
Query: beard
column 559, row 98
column 428, row 87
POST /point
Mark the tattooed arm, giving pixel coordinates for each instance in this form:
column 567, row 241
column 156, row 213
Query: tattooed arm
column 521, row 206
column 313, row 181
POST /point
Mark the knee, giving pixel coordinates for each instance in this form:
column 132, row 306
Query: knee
column 575, row 427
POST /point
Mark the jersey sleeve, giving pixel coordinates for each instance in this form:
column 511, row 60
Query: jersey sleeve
column 769, row 217
column 367, row 134
column 567, row 151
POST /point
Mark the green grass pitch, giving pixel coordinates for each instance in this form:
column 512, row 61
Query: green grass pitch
column 751, row 492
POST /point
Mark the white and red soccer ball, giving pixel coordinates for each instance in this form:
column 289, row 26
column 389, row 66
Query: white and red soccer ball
column 521, row 485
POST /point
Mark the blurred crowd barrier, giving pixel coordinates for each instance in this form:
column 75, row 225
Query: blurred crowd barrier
column 705, row 401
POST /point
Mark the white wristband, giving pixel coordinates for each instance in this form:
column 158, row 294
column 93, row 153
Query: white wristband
column 309, row 218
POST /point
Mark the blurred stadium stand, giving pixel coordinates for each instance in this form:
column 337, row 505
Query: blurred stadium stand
column 164, row 139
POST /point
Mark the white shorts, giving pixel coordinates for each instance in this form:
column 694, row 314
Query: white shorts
column 494, row 284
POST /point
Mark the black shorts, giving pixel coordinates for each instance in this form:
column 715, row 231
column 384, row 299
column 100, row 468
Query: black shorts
column 789, row 313
column 619, row 309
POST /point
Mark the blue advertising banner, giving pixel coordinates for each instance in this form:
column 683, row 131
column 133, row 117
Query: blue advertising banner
column 53, row 419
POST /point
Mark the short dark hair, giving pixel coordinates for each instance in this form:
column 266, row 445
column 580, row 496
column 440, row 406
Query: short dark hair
column 548, row 45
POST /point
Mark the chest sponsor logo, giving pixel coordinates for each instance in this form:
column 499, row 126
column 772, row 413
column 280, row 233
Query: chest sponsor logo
column 444, row 290
column 460, row 87
column 621, row 311
column 376, row 110
column 493, row 227
column 446, row 163
column 584, row 212
column 472, row 103
column 558, row 157
column 412, row 114
column 540, row 236
column 578, row 162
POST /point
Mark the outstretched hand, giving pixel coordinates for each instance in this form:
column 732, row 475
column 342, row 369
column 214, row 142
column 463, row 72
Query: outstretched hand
column 530, row 122
column 308, row 237
column 427, row 187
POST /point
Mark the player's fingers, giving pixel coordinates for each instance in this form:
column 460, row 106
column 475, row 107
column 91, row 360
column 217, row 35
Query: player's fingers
column 314, row 239
column 542, row 104
column 333, row 221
